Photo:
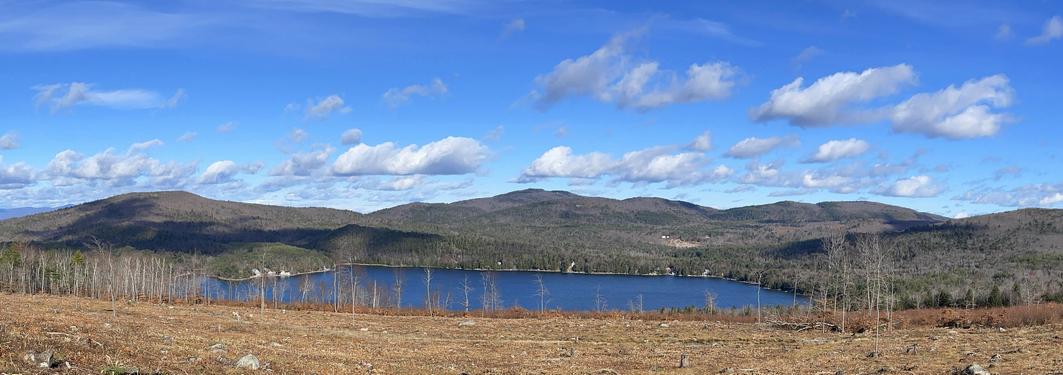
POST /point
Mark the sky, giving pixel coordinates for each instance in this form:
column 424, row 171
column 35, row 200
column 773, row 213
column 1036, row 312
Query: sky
column 945, row 107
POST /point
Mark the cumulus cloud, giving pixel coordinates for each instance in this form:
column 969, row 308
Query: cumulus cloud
column 223, row 171
column 351, row 137
column 396, row 96
column 114, row 168
column 323, row 108
column 1052, row 30
column 1003, row 32
column 651, row 165
column 448, row 156
column 304, row 163
column 914, row 187
column 610, row 74
column 561, row 162
column 703, row 142
column 834, row 99
column 839, row 149
column 60, row 96
column 187, row 137
column 956, row 112
column 15, row 176
column 9, row 141
column 753, row 147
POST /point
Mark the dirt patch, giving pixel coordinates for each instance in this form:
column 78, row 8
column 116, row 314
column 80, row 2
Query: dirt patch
column 210, row 339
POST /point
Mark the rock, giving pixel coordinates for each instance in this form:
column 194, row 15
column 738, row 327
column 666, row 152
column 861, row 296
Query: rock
column 911, row 349
column 683, row 362
column 249, row 362
column 975, row 369
column 217, row 348
column 663, row 325
column 728, row 370
column 995, row 358
column 466, row 323
column 168, row 340
column 872, row 354
column 43, row 359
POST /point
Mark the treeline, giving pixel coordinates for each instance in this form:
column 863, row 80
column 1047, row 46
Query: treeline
column 103, row 272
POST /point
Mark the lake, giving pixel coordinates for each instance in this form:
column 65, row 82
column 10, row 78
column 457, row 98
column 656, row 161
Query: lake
column 376, row 286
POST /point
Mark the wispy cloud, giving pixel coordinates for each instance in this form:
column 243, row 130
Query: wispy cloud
column 61, row 96
column 397, row 96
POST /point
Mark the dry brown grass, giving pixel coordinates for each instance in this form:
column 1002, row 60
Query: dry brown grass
column 176, row 340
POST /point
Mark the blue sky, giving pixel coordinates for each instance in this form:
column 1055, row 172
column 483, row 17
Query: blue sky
column 946, row 107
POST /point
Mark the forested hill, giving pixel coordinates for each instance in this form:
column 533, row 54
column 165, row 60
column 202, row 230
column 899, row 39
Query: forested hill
column 175, row 220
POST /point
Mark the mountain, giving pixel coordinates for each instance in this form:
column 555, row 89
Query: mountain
column 779, row 244
column 795, row 212
column 173, row 221
column 10, row 213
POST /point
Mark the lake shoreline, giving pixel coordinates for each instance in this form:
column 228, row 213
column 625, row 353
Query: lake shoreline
column 594, row 273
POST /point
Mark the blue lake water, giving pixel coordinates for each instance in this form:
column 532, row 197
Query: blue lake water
column 564, row 291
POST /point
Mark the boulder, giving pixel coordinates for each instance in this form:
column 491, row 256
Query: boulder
column 43, row 359
column 249, row 362
column 466, row 323
column 975, row 369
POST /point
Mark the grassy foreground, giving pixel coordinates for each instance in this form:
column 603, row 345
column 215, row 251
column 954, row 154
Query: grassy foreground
column 178, row 339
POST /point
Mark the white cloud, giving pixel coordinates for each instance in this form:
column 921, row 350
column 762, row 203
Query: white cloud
column 399, row 183
column 80, row 93
column 298, row 135
column 831, row 100
column 396, row 97
column 515, row 26
column 956, row 112
column 1051, row 199
column 116, row 169
column 1004, row 32
column 560, row 162
column 351, row 137
column 835, row 183
column 187, row 137
column 1052, row 30
column 915, row 187
column 805, row 56
column 224, row 170
column 753, row 147
column 9, row 141
column 961, row 215
column 495, row 134
column 227, row 127
column 659, row 164
column 610, row 75
column 703, row 142
column 303, row 163
column 651, row 165
column 15, row 176
column 448, row 156
column 1033, row 195
column 839, row 149
column 144, row 146
column 323, row 108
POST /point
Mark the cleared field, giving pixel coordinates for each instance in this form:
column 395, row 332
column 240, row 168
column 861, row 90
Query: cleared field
column 179, row 339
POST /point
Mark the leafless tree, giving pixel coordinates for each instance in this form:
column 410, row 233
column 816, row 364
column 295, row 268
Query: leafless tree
column 466, row 287
column 428, row 289
column 397, row 286
column 541, row 292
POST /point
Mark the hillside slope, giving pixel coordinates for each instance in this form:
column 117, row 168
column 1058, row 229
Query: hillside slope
column 173, row 221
